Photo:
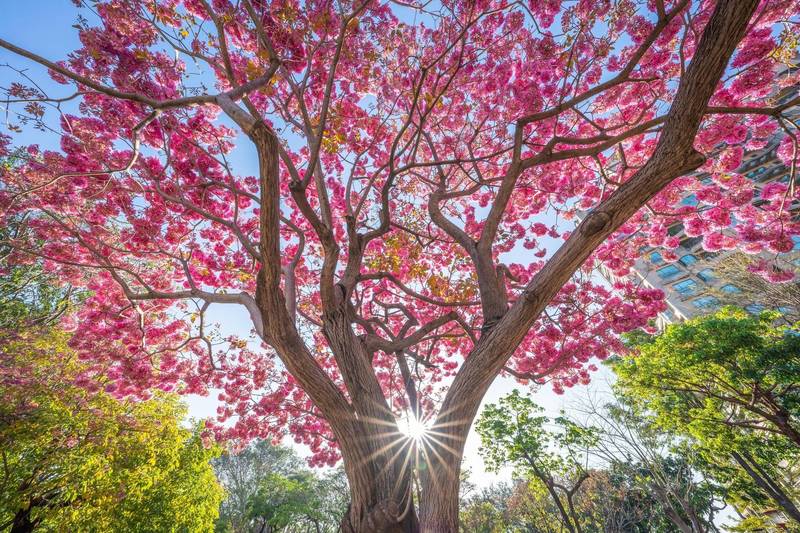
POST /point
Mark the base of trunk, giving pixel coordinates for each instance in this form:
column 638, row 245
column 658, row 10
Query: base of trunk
column 384, row 517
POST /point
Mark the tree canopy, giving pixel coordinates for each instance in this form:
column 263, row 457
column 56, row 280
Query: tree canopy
column 729, row 369
column 74, row 457
column 392, row 239
column 727, row 384
column 268, row 489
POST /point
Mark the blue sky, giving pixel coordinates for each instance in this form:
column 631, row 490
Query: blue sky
column 45, row 27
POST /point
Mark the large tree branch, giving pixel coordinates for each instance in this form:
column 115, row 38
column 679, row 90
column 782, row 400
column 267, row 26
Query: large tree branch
column 674, row 156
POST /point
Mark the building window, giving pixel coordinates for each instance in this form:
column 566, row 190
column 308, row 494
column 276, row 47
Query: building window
column 667, row 272
column 686, row 287
column 688, row 259
column 796, row 239
column 656, row 258
column 675, row 229
column 785, row 310
column 705, row 302
column 754, row 309
column 706, row 274
column 730, row 288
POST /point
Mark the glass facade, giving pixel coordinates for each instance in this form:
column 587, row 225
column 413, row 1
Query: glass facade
column 707, row 274
column 705, row 302
column 730, row 288
column 690, row 200
column 686, row 287
column 667, row 272
column 691, row 284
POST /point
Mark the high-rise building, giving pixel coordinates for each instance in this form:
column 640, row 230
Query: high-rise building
column 694, row 285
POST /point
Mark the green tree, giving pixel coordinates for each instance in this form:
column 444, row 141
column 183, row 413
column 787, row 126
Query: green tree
column 240, row 474
column 513, row 434
column 652, row 461
column 281, row 500
column 269, row 489
column 74, row 458
column 81, row 460
column 728, row 369
column 298, row 502
column 610, row 500
column 728, row 383
column 613, row 474
column 487, row 510
column 615, row 501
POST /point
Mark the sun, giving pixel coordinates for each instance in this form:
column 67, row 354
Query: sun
column 412, row 427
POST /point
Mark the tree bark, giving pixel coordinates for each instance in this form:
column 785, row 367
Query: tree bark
column 662, row 495
column 548, row 483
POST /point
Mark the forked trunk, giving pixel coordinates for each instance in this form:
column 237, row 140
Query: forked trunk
column 376, row 465
column 380, row 504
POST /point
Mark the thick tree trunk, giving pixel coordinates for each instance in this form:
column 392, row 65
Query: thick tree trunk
column 381, row 491
column 438, row 510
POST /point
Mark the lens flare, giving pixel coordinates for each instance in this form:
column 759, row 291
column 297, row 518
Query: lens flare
column 412, row 427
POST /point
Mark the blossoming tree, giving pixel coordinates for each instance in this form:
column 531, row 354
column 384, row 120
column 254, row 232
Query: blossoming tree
column 415, row 161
